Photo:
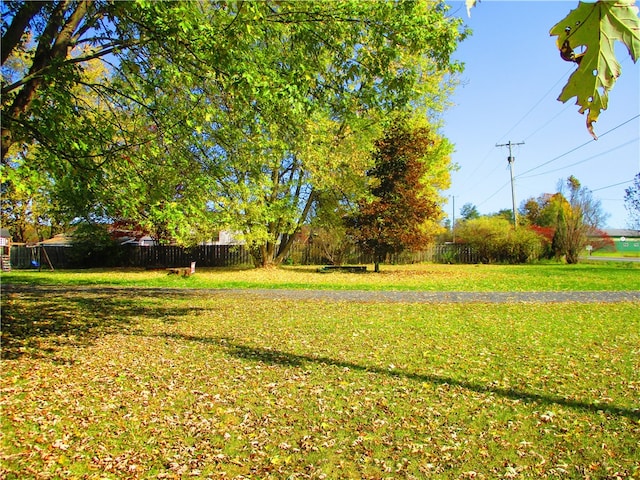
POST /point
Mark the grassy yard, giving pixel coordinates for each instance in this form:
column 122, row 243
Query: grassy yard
column 616, row 254
column 127, row 383
column 427, row 277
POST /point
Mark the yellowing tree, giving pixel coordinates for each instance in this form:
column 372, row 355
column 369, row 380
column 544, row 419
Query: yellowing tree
column 578, row 213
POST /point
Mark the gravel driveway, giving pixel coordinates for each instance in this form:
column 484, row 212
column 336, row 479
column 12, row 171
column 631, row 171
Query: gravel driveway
column 349, row 295
column 439, row 297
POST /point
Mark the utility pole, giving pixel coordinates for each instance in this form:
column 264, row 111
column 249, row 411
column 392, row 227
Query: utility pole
column 453, row 222
column 512, row 159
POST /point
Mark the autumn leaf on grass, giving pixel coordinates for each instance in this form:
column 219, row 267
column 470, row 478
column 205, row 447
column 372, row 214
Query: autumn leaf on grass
column 595, row 27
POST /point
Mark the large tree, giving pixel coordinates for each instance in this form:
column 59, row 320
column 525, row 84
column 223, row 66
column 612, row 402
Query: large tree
column 250, row 112
column 302, row 125
column 411, row 167
column 62, row 108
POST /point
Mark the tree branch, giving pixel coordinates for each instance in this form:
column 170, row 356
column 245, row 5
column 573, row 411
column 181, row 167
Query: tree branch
column 19, row 24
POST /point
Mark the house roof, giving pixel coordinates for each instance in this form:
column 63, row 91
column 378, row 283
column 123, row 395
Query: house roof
column 621, row 232
column 60, row 239
column 4, row 232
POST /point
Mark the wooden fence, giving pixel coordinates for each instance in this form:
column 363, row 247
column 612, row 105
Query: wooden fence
column 173, row 256
column 166, row 256
column 309, row 254
column 23, row 257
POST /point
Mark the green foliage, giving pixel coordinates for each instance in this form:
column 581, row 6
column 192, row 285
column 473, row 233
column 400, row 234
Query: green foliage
column 495, row 240
column 327, row 227
column 595, row 27
column 46, row 49
column 578, row 214
column 231, row 114
column 26, row 206
column 469, row 212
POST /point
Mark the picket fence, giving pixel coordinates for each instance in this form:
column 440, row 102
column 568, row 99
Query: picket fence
column 167, row 256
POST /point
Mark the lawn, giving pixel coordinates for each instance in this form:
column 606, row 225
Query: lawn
column 127, row 383
column 425, row 277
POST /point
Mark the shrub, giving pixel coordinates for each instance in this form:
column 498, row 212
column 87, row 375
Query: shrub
column 496, row 241
column 546, row 235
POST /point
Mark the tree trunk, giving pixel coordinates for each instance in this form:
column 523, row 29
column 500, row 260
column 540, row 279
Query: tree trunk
column 378, row 258
column 263, row 255
column 572, row 256
column 266, row 255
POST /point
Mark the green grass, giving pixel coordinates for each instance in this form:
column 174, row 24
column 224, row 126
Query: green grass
column 616, row 254
column 126, row 383
column 428, row 277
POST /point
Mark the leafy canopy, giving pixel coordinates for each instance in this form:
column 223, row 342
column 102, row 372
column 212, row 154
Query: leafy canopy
column 242, row 111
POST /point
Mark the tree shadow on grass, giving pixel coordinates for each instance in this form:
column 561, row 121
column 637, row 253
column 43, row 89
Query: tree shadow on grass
column 278, row 357
column 37, row 321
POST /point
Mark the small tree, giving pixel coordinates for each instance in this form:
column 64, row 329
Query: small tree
column 403, row 210
column 578, row 215
column 328, row 231
column 93, row 247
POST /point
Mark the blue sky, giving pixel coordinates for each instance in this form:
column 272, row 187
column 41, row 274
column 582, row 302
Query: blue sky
column 508, row 92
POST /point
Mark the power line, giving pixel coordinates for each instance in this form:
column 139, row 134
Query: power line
column 623, row 62
column 545, row 124
column 493, row 194
column 614, row 185
column 484, row 159
column 581, row 161
column 548, row 122
column 522, row 175
column 578, row 147
column 538, row 103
